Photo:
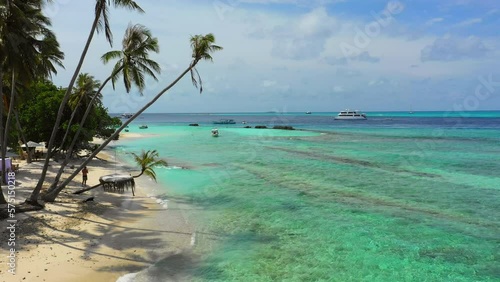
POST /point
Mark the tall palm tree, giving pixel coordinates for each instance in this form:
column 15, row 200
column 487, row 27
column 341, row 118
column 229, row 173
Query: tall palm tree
column 81, row 97
column 12, row 18
column 202, row 47
column 148, row 160
column 36, row 58
column 24, row 36
column 101, row 21
column 133, row 64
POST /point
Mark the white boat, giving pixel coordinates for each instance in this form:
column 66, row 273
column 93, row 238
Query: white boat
column 215, row 132
column 224, row 121
column 350, row 115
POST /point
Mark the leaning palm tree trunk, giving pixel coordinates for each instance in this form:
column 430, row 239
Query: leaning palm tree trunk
column 75, row 138
column 87, row 189
column 50, row 197
column 68, row 128
column 36, row 192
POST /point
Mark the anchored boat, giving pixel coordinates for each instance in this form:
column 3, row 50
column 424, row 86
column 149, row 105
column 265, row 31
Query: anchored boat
column 224, row 121
column 350, row 115
column 215, row 132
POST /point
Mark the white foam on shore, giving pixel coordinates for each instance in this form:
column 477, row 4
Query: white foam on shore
column 129, row 277
column 193, row 239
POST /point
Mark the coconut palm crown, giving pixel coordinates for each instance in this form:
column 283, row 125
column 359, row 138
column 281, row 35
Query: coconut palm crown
column 202, row 46
column 147, row 160
column 133, row 60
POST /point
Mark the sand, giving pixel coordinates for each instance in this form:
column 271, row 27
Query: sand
column 99, row 240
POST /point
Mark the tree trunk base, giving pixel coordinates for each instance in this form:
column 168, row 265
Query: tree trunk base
column 49, row 197
column 38, row 203
column 86, row 189
column 24, row 207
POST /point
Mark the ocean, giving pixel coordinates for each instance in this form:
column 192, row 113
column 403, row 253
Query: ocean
column 396, row 197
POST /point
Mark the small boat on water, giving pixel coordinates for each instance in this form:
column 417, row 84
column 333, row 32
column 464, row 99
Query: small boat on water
column 215, row 132
column 143, row 126
column 125, row 115
column 350, row 115
column 224, row 121
column 308, row 113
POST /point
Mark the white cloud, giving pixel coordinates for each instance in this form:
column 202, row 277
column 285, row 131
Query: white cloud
column 268, row 83
column 469, row 22
column 332, row 60
column 304, row 38
column 361, row 57
column 290, row 59
column 338, row 89
column 492, row 11
column 366, row 57
column 294, row 2
column 451, row 48
column 433, row 21
column 377, row 82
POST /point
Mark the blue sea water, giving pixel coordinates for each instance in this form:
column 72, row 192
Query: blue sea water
column 396, row 197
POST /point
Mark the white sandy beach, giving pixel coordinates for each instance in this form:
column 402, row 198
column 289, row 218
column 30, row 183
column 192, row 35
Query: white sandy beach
column 99, row 240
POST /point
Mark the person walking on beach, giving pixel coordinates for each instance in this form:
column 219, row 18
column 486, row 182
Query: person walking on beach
column 85, row 171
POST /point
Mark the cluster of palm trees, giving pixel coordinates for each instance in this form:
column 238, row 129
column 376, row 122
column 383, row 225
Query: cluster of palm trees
column 29, row 51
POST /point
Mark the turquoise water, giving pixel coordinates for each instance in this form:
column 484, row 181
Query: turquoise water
column 412, row 199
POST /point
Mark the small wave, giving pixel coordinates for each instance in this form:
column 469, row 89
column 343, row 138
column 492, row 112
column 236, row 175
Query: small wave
column 129, row 277
column 193, row 239
column 163, row 203
column 160, row 201
column 174, row 167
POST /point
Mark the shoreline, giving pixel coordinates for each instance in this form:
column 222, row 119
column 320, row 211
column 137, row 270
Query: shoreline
column 100, row 240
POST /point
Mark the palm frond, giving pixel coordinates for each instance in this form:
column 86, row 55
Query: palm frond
column 134, row 63
column 148, row 160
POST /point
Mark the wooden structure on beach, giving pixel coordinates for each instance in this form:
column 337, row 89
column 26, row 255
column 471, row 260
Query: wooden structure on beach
column 117, row 183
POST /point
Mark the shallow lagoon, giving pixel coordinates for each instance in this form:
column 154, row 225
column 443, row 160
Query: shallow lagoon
column 417, row 201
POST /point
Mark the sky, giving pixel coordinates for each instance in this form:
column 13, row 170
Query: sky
column 297, row 55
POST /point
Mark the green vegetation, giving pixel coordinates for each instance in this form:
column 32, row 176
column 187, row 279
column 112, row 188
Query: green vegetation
column 68, row 118
column 41, row 101
column 147, row 160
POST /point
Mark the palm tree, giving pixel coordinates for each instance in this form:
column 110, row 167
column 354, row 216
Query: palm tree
column 133, row 64
column 28, row 50
column 80, row 98
column 202, row 47
column 147, row 160
column 86, row 88
column 133, row 60
column 36, row 59
column 101, row 21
